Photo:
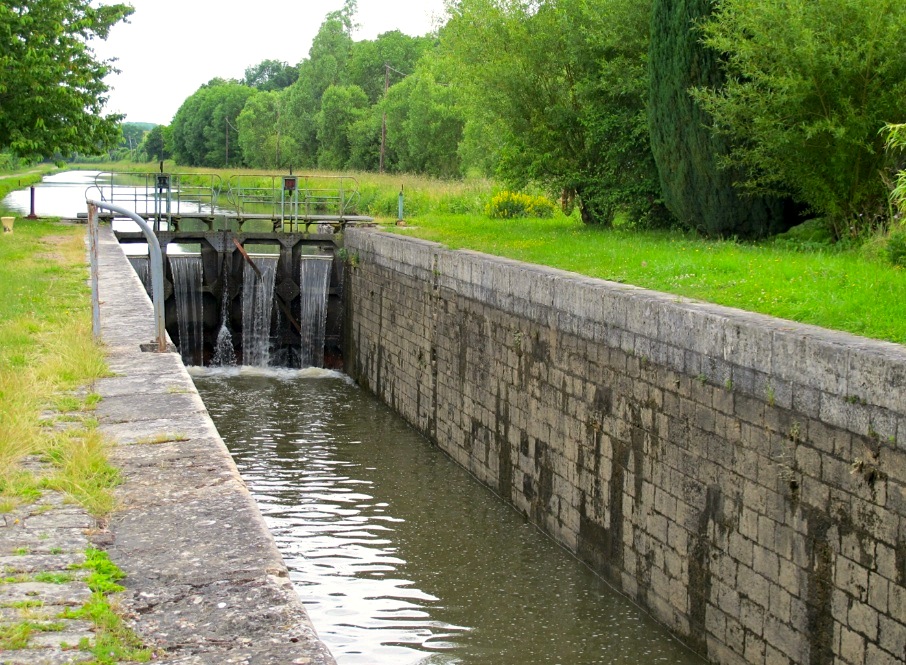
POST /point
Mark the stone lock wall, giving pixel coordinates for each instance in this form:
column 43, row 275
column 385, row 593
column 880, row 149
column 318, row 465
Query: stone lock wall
column 742, row 477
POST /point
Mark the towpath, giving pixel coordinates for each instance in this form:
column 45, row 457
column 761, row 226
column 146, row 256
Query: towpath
column 204, row 580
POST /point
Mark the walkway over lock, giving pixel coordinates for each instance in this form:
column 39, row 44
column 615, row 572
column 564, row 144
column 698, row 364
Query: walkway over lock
column 247, row 203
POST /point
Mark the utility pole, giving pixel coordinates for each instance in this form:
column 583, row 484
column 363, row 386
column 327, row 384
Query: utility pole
column 384, row 118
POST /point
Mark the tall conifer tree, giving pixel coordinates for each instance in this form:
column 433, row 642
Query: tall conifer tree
column 696, row 190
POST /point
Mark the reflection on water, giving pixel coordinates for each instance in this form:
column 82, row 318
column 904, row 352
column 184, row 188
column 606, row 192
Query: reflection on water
column 57, row 195
column 399, row 555
column 64, row 195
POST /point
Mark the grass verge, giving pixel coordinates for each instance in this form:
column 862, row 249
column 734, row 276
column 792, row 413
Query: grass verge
column 852, row 290
column 47, row 356
column 841, row 290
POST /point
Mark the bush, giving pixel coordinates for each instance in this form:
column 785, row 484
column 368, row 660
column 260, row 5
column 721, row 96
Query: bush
column 896, row 248
column 508, row 205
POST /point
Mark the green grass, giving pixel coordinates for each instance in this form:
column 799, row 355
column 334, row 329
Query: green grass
column 46, row 354
column 114, row 641
column 378, row 193
column 23, row 178
column 841, row 290
column 855, row 290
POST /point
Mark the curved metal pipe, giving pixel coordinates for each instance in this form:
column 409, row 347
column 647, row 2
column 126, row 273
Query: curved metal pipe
column 156, row 263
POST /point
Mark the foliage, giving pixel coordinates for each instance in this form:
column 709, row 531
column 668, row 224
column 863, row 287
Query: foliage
column 264, row 131
column 699, row 193
column 132, row 134
column 324, row 67
column 52, row 89
column 810, row 83
column 507, row 205
column 557, row 91
column 812, row 235
column 204, row 128
column 341, row 107
column 896, row 140
column 424, row 123
column 896, row 249
column 390, row 57
column 269, row 75
column 156, row 146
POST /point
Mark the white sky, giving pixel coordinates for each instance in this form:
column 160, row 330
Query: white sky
column 171, row 47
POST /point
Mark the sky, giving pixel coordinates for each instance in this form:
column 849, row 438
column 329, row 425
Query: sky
column 170, row 48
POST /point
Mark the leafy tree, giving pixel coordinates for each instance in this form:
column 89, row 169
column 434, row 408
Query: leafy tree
column 270, row 75
column 301, row 106
column 263, row 133
column 896, row 143
column 52, row 90
column 558, row 89
column 330, row 49
column 204, row 127
column 365, row 142
column 324, row 67
column 156, row 144
column 368, row 60
column 132, row 134
column 810, row 84
column 341, row 107
column 695, row 188
column 424, row 125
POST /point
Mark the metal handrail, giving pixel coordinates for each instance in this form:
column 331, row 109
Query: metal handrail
column 155, row 260
column 333, row 197
column 159, row 194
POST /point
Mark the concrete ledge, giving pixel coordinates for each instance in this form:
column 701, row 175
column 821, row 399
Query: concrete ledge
column 205, row 581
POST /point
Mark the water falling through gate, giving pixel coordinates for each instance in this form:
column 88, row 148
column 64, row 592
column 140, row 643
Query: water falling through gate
column 257, row 307
column 314, row 276
column 224, row 355
column 142, row 268
column 187, row 282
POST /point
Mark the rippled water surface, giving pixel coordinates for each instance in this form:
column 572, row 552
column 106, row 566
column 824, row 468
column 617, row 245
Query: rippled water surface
column 399, row 555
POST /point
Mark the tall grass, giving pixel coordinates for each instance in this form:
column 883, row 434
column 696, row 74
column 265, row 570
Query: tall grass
column 853, row 290
column 378, row 193
column 46, row 347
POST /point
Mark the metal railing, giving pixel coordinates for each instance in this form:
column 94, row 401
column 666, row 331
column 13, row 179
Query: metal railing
column 158, row 195
column 294, row 198
column 156, row 262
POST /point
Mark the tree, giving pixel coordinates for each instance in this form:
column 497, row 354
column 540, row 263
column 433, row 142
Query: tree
column 341, row 107
column 52, row 90
column 156, row 145
column 324, row 67
column 696, row 189
column 204, row 127
column 558, row 88
column 368, row 60
column 263, row 134
column 270, row 75
column 424, row 125
column 896, row 143
column 810, row 85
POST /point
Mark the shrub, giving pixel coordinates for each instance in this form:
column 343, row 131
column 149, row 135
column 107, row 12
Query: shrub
column 896, row 248
column 508, row 205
